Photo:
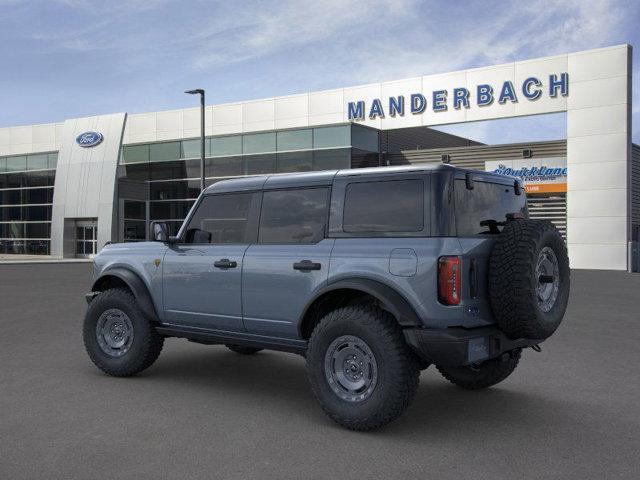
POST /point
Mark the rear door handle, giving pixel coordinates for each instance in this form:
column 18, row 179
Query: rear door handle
column 306, row 265
column 225, row 263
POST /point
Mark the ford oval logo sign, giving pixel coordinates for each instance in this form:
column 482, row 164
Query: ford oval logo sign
column 89, row 139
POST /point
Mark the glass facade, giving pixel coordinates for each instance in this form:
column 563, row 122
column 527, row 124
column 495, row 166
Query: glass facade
column 168, row 173
column 26, row 198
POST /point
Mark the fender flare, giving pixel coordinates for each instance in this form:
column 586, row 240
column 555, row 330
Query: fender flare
column 135, row 284
column 390, row 299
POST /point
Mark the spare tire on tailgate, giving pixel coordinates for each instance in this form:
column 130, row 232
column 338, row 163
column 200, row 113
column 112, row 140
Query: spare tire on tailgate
column 529, row 279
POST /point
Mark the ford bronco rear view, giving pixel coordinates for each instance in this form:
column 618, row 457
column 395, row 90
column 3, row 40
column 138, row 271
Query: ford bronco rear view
column 371, row 275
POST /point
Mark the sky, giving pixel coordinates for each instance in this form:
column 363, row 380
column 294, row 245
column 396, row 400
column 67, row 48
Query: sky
column 72, row 58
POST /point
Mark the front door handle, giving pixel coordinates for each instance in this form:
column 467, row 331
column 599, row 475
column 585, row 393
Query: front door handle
column 306, row 265
column 225, row 263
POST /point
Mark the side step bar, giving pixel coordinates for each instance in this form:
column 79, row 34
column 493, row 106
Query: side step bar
column 211, row 337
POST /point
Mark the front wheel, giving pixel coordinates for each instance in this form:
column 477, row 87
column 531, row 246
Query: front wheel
column 361, row 371
column 476, row 377
column 118, row 337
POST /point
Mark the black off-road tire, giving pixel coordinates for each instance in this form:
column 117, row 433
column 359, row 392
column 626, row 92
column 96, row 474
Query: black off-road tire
column 397, row 367
column 513, row 279
column 146, row 343
column 484, row 375
column 241, row 349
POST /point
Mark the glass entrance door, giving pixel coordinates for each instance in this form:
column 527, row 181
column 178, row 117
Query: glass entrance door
column 86, row 239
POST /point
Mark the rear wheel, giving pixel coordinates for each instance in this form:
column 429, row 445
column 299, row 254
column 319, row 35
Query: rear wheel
column 241, row 349
column 361, row 371
column 476, row 377
column 118, row 337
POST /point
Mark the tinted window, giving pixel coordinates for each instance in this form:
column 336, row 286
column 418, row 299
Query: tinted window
column 259, row 143
column 135, row 154
column 295, row 140
column 160, row 152
column 255, row 164
column 390, row 206
column 293, row 216
column 487, row 201
column 222, row 146
column 295, row 162
column 331, row 159
column 327, row 137
column 220, row 219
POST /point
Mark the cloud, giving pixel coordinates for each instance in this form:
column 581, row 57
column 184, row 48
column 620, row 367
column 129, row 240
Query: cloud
column 262, row 48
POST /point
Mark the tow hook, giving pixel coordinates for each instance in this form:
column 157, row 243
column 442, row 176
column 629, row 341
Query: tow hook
column 536, row 348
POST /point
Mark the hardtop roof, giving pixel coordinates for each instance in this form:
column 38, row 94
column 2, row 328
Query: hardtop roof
column 320, row 178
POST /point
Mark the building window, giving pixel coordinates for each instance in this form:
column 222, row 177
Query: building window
column 332, row 137
column 26, row 197
column 295, row 140
column 170, row 210
column 332, row 159
column 223, row 167
column 135, row 153
column 225, row 146
column 259, row 164
column 162, row 152
column 295, row 162
column 192, row 148
column 259, row 143
column 364, row 138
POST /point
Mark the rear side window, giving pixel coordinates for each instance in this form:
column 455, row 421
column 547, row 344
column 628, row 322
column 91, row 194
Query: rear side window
column 488, row 203
column 294, row 216
column 220, row 219
column 388, row 206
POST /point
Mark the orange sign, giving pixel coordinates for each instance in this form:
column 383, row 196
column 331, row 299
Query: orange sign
column 545, row 187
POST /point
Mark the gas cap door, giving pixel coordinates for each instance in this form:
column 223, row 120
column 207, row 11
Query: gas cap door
column 403, row 262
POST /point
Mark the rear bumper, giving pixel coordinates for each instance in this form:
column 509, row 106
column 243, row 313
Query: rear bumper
column 461, row 346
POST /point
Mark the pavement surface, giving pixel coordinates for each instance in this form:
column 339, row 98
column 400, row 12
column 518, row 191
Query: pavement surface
column 572, row 411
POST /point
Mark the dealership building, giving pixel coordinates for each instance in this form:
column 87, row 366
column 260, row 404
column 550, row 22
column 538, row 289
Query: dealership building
column 68, row 188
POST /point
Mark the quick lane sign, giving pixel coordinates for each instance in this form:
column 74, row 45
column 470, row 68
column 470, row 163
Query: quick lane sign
column 482, row 95
column 544, row 175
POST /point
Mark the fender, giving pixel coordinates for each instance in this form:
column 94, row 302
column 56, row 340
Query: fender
column 135, row 284
column 392, row 301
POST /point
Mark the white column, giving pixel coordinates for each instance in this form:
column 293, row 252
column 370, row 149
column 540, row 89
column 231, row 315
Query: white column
column 599, row 158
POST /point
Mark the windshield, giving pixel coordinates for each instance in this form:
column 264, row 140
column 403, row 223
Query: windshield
column 483, row 210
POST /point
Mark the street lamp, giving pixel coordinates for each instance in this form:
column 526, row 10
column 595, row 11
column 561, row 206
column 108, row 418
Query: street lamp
column 200, row 91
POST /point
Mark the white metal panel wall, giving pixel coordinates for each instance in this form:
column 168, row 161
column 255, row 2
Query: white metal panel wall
column 30, row 139
column 598, row 158
column 86, row 178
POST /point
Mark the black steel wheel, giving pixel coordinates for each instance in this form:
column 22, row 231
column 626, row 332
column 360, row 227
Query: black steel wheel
column 118, row 337
column 361, row 372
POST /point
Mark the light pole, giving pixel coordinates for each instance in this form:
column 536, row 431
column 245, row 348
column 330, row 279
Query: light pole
column 200, row 92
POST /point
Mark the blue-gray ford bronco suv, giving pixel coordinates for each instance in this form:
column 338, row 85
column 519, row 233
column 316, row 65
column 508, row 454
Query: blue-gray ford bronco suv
column 370, row 274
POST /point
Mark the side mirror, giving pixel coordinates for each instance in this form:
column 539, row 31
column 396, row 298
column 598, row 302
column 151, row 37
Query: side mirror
column 160, row 232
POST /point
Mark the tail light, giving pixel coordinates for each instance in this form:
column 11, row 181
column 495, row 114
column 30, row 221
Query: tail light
column 449, row 285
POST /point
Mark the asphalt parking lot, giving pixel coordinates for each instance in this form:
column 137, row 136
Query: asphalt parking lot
column 572, row 411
